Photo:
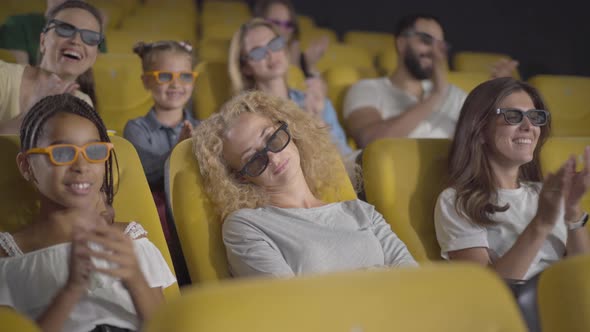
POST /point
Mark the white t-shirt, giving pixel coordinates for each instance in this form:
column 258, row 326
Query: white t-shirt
column 390, row 101
column 455, row 232
column 30, row 281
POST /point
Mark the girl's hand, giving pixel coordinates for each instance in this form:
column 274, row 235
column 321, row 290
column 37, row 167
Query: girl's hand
column 316, row 50
column 80, row 263
column 186, row 131
column 552, row 195
column 578, row 185
column 118, row 250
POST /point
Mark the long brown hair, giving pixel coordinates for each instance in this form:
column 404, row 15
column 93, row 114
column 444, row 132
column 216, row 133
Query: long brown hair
column 469, row 166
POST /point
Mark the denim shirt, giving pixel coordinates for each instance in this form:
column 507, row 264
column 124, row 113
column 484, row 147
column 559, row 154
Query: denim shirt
column 330, row 118
column 154, row 142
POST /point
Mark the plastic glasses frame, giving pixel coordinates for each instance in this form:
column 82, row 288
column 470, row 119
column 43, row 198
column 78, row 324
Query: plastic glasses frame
column 58, row 25
column 264, row 152
column 175, row 76
column 522, row 115
column 262, row 51
column 78, row 150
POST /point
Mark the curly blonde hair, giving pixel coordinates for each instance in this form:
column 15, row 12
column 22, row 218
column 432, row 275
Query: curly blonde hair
column 318, row 154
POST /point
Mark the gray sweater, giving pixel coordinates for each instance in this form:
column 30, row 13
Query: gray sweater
column 287, row 242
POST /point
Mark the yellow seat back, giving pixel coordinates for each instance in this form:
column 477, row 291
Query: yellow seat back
column 568, row 100
column 342, row 55
column 6, row 56
column 373, row 42
column 479, row 62
column 564, row 296
column 13, row 321
column 467, row 81
column 214, row 50
column 403, row 178
column 133, row 199
column 198, row 223
column 439, row 297
column 212, row 88
column 339, row 80
column 387, row 61
column 119, row 91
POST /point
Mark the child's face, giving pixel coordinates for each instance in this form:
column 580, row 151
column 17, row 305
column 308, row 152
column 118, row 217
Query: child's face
column 71, row 186
column 175, row 94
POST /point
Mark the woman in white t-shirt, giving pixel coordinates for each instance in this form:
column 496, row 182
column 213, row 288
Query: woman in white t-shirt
column 498, row 210
column 72, row 268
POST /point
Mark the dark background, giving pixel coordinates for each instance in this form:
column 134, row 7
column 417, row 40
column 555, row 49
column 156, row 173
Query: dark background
column 547, row 37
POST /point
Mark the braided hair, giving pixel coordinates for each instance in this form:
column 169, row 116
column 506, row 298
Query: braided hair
column 33, row 126
column 147, row 51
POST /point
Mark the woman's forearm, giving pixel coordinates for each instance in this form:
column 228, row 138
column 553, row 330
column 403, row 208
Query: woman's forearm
column 59, row 310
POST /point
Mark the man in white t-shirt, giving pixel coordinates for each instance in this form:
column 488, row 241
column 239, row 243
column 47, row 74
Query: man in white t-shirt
column 416, row 100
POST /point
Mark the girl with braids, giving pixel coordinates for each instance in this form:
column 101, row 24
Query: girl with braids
column 498, row 210
column 73, row 268
column 68, row 47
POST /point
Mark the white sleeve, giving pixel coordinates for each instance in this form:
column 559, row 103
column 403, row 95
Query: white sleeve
column 5, row 293
column 152, row 263
column 361, row 94
column 250, row 252
column 395, row 251
column 453, row 231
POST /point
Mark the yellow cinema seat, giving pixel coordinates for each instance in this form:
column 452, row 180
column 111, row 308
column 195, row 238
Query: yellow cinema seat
column 305, row 23
column 387, row 61
column 18, row 203
column 564, row 296
column 13, row 321
column 316, row 33
column 479, row 62
column 119, row 90
column 567, row 98
column 438, row 297
column 122, row 41
column 212, row 88
column 198, row 223
column 342, row 55
column 467, row 81
column 7, row 56
column 373, row 42
column 403, row 178
column 214, row 50
column 221, row 30
column 339, row 80
column 295, row 78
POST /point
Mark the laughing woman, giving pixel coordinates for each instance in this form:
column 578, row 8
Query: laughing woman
column 68, row 47
column 499, row 211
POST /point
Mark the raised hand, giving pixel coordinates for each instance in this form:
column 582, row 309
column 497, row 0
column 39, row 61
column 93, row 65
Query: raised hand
column 552, row 195
column 186, row 131
column 439, row 67
column 577, row 185
column 316, row 50
column 504, row 68
column 315, row 98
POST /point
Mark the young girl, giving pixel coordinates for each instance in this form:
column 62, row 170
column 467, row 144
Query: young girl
column 73, row 268
column 258, row 60
column 168, row 74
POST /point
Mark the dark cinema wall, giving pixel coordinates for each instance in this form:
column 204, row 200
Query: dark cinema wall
column 550, row 37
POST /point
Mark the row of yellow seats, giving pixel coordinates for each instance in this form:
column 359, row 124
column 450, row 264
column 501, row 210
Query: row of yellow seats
column 456, row 298
column 199, row 228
